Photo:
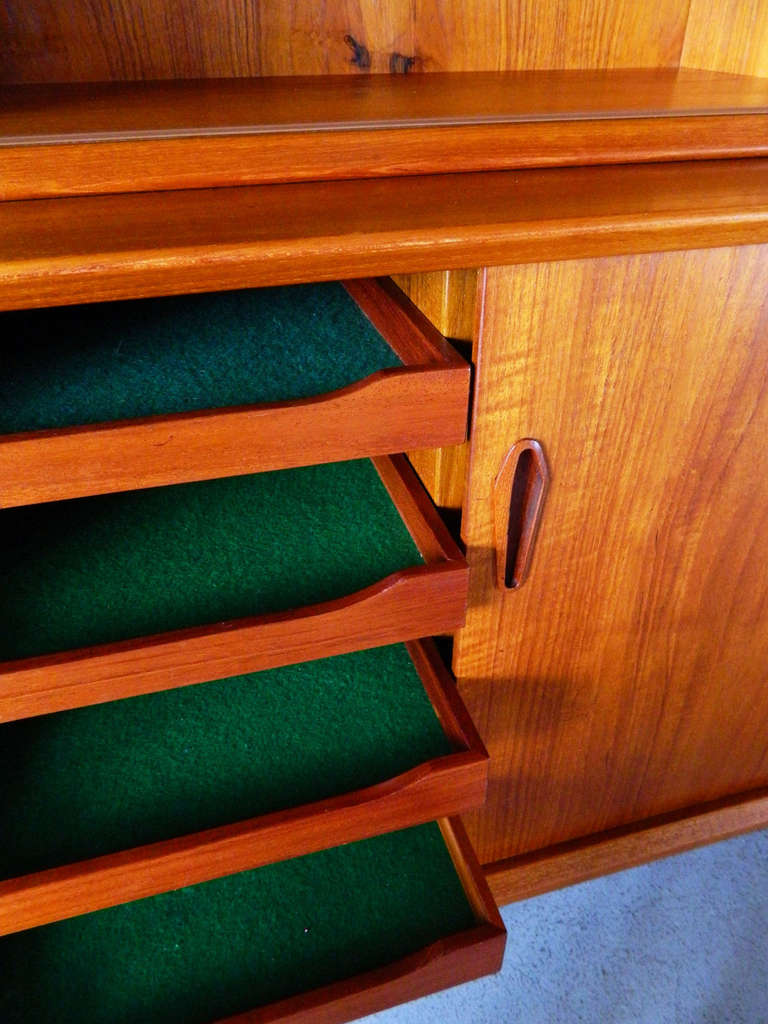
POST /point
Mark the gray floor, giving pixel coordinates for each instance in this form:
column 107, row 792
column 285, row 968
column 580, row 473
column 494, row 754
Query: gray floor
column 680, row 941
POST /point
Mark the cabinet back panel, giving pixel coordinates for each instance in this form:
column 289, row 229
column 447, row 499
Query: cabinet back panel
column 447, row 299
column 734, row 37
column 627, row 677
column 118, row 40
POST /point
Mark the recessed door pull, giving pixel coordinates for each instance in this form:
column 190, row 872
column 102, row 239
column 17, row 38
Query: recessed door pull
column 518, row 502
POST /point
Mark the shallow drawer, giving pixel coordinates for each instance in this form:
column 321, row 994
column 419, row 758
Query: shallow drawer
column 324, row 938
column 124, row 594
column 120, row 396
column 120, row 801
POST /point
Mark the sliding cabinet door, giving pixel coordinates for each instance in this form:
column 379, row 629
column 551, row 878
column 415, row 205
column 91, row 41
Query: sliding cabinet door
column 627, row 676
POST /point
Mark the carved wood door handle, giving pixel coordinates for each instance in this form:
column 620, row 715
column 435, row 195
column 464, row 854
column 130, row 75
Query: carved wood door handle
column 518, row 502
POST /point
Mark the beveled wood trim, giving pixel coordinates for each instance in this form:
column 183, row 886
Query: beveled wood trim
column 458, row 958
column 95, row 248
column 99, row 138
column 421, row 404
column 414, row 602
column 450, row 784
column 519, row 878
column 51, row 171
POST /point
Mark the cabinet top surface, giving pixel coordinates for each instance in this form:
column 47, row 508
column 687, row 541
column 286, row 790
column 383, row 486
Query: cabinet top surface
column 48, row 113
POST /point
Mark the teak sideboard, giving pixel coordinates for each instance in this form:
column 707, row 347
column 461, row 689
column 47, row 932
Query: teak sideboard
column 579, row 204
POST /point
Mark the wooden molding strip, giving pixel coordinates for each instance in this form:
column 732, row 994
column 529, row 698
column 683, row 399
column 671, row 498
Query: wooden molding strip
column 414, row 602
column 94, row 248
column 50, row 171
column 519, row 878
column 430, row 396
column 76, row 139
column 450, row 784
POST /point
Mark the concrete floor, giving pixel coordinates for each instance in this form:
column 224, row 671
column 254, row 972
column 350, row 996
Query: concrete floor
column 680, row 941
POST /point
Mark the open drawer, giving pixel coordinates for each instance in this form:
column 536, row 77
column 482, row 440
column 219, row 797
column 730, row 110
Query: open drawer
column 120, row 801
column 124, row 594
column 324, row 938
column 120, row 396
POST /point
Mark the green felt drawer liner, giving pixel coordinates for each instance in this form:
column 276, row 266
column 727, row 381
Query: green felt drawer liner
column 82, row 783
column 199, row 954
column 119, row 360
column 95, row 570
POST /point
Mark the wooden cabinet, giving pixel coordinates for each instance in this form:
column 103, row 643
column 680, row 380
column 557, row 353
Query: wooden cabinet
column 620, row 688
column 618, row 318
column 626, row 678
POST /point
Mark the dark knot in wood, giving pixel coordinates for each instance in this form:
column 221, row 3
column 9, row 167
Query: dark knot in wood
column 360, row 55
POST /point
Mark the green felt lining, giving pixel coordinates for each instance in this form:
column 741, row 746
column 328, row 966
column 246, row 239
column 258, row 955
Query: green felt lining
column 96, row 780
column 199, row 954
column 95, row 570
column 119, row 360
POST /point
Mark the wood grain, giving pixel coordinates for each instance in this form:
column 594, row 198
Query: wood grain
column 510, row 34
column 298, row 38
column 108, row 247
column 519, row 878
column 48, row 171
column 414, row 602
column 430, row 395
column 100, row 40
column 475, row 883
column 447, row 298
column 447, row 785
column 627, row 678
column 125, row 111
column 111, row 137
column 732, row 37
